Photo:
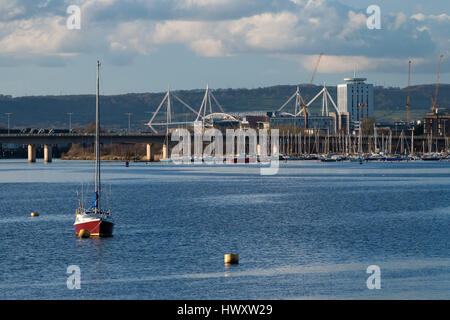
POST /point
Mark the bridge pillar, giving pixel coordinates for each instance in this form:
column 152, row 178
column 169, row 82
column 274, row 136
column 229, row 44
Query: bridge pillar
column 258, row 149
column 164, row 151
column 47, row 153
column 31, row 153
column 149, row 152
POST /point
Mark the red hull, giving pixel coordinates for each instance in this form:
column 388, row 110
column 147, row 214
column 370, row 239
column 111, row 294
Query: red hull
column 97, row 227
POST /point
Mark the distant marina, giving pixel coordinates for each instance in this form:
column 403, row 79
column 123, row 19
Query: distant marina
column 344, row 130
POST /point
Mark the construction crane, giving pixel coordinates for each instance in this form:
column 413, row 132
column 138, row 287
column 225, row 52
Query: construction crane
column 361, row 109
column 434, row 100
column 305, row 115
column 361, row 113
column 313, row 75
column 408, row 99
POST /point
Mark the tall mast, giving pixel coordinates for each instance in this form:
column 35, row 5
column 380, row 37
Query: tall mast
column 408, row 99
column 168, row 118
column 375, row 137
column 360, row 139
column 97, row 140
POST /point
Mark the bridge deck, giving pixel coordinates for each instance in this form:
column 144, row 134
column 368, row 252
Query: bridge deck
column 66, row 138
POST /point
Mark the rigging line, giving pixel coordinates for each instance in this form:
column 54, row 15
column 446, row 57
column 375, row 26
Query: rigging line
column 217, row 102
column 184, row 103
column 209, row 102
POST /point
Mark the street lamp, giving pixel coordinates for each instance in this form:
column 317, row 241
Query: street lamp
column 70, row 121
column 9, row 115
column 129, row 121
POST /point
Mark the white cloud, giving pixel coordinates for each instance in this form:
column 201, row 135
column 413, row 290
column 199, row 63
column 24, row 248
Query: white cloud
column 418, row 17
column 40, row 36
column 185, row 4
column 271, row 32
column 400, row 20
column 266, row 33
column 439, row 18
column 220, row 28
column 438, row 27
column 355, row 22
column 208, row 47
column 347, row 64
column 10, row 9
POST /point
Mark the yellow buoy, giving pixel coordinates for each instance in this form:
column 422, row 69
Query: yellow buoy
column 231, row 258
column 84, row 233
column 34, row 214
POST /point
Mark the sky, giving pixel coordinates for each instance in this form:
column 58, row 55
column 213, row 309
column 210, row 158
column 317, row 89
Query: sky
column 147, row 46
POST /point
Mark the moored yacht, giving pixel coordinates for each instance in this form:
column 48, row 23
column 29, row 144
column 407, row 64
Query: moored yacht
column 96, row 221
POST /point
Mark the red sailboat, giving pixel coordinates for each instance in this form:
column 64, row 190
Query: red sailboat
column 96, row 221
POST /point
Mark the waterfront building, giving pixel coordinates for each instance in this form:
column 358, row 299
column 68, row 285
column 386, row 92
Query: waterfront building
column 356, row 97
column 281, row 119
column 341, row 121
column 437, row 123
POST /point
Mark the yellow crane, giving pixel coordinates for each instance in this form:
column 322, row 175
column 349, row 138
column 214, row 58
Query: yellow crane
column 305, row 115
column 361, row 113
column 434, row 100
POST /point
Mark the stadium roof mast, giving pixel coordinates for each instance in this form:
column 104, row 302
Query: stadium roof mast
column 300, row 102
column 168, row 101
column 325, row 97
column 206, row 103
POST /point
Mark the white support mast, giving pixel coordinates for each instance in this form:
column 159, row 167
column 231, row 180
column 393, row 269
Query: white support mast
column 207, row 103
column 325, row 97
column 298, row 102
column 169, row 106
column 97, row 141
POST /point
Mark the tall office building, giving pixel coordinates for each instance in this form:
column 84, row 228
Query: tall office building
column 355, row 97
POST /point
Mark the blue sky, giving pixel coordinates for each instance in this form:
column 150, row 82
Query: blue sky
column 145, row 46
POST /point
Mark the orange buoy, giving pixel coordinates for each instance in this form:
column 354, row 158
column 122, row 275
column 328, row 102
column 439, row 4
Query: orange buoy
column 231, row 258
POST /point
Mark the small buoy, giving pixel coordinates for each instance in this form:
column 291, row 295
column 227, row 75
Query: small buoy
column 84, row 233
column 34, row 214
column 231, row 258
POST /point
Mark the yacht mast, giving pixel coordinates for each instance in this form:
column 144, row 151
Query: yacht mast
column 97, row 141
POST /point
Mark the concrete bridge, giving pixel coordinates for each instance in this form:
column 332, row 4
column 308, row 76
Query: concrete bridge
column 289, row 144
column 48, row 140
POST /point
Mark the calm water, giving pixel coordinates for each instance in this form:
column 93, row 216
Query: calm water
column 309, row 232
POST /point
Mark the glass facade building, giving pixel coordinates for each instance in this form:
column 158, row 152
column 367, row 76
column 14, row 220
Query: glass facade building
column 356, row 98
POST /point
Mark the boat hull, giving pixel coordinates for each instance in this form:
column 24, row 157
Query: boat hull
column 97, row 227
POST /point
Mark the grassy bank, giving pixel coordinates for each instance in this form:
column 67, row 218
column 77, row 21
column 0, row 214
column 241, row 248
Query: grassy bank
column 131, row 152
